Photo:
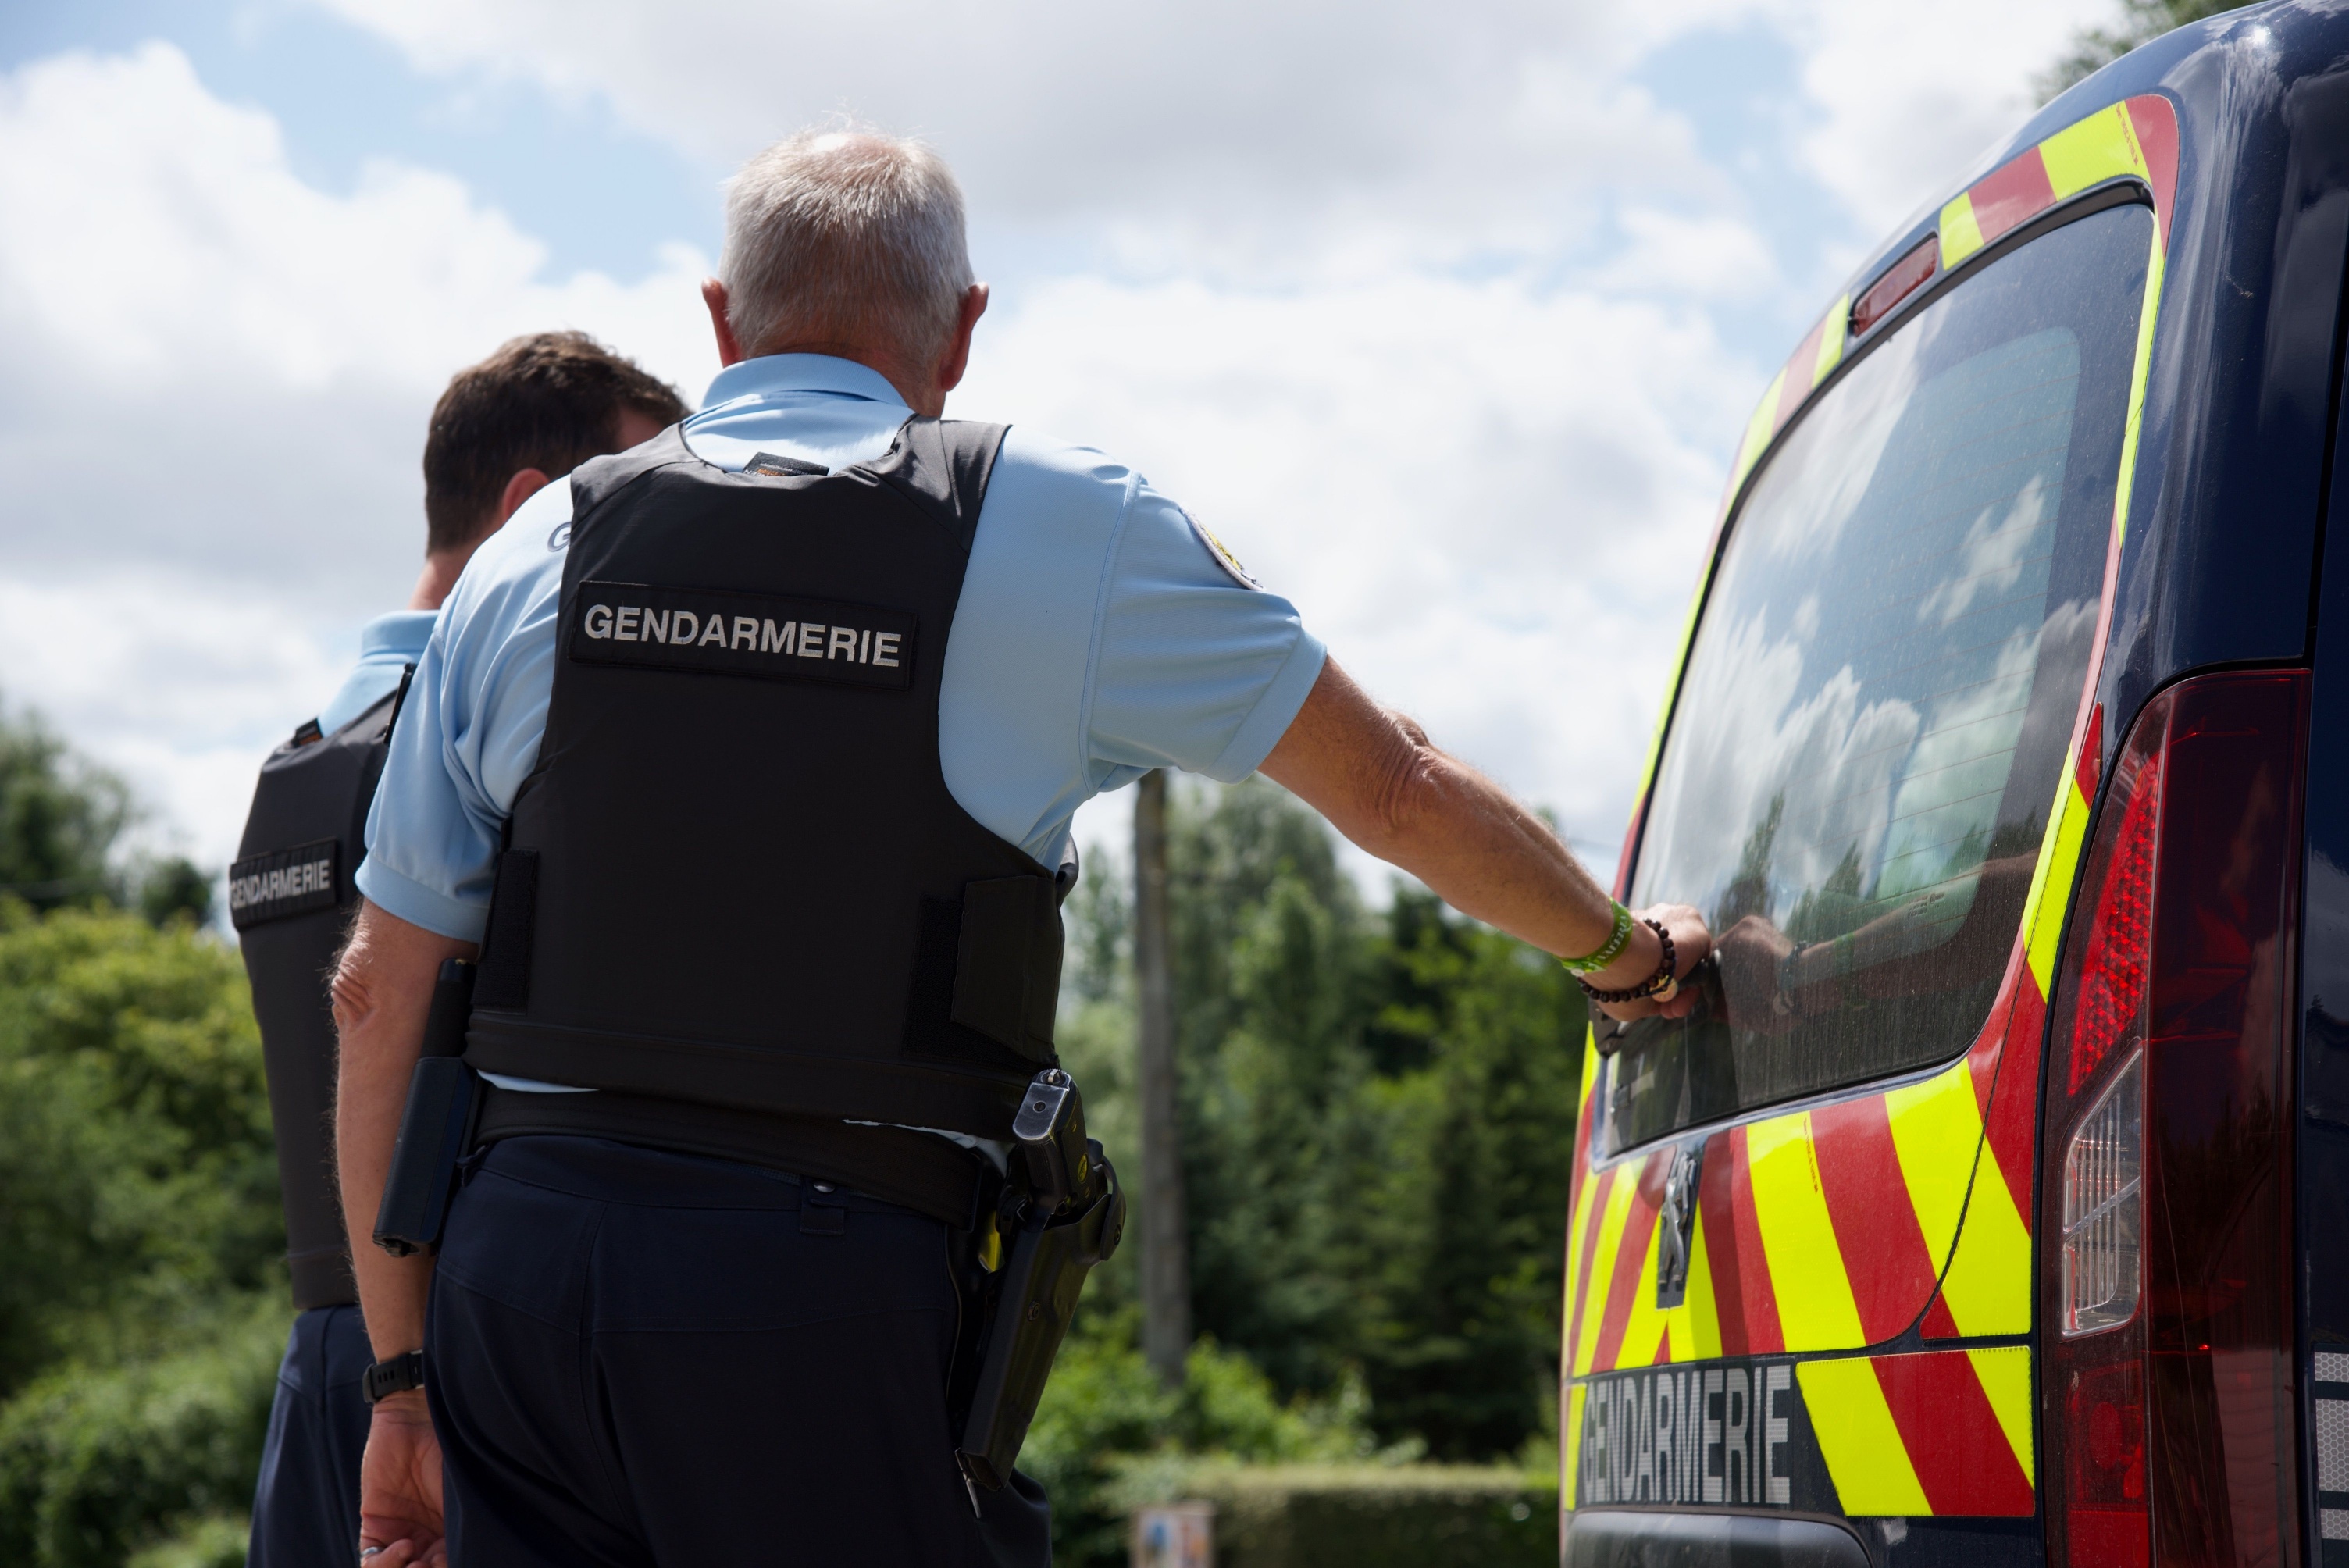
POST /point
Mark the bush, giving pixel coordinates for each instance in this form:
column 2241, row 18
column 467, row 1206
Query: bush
column 97, row 1462
column 215, row 1540
column 135, row 1145
column 143, row 1309
column 1364, row 1516
column 1105, row 1417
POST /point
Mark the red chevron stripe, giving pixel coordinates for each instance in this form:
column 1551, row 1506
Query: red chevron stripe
column 1584, row 1245
column 1720, row 1222
column 1982, row 1056
column 2156, row 134
column 1939, row 1324
column 2011, row 194
column 2092, row 755
column 1733, row 1250
column 1892, row 1272
column 1638, row 1233
column 1800, row 365
column 1959, row 1452
column 2015, row 1104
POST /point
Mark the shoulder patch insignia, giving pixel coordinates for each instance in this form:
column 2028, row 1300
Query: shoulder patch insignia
column 1224, row 558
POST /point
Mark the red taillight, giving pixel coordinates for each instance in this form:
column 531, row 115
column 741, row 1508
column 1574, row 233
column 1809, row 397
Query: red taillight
column 2104, row 1516
column 2110, row 1008
column 2167, row 1286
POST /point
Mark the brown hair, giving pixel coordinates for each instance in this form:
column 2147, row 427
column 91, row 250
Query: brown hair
column 549, row 401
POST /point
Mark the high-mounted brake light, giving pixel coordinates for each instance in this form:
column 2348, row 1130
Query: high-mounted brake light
column 2168, row 1370
column 1900, row 279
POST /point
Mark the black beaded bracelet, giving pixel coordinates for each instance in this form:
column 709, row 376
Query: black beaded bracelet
column 1661, row 980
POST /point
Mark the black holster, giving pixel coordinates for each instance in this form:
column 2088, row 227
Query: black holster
column 1064, row 1212
column 436, row 1128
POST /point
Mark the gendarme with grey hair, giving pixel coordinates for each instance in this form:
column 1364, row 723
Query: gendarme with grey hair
column 845, row 237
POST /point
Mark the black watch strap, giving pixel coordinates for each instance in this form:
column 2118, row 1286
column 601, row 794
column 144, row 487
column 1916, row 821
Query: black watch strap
column 396, row 1375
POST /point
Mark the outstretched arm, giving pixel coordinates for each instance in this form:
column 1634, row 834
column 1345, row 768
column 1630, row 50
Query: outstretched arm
column 383, row 989
column 1377, row 778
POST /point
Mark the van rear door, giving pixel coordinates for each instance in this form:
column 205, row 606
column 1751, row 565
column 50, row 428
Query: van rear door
column 1799, row 1266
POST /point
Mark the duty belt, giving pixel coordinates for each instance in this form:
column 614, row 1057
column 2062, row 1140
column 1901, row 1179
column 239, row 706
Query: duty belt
column 920, row 1170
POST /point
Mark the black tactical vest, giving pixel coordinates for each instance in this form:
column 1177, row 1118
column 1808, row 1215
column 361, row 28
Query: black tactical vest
column 290, row 894
column 736, row 876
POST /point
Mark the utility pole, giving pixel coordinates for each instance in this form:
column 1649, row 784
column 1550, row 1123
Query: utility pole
column 1165, row 1251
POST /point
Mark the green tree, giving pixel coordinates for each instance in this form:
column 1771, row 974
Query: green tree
column 1378, row 1122
column 62, row 821
column 2141, row 22
column 142, row 1303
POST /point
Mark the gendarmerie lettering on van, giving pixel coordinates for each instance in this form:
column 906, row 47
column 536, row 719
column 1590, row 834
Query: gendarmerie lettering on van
column 742, row 635
column 1731, row 1434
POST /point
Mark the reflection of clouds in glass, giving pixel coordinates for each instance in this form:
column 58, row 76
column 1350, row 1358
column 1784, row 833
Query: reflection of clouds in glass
column 1956, row 777
column 1993, row 553
column 1832, row 757
column 1815, row 484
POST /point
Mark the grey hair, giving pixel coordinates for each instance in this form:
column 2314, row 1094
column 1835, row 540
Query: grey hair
column 846, row 237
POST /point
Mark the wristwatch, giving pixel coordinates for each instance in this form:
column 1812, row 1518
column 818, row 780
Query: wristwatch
column 396, row 1375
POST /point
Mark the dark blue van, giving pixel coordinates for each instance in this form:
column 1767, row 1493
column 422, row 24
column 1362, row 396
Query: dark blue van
column 1993, row 1205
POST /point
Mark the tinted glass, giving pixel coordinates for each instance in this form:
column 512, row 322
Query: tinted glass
column 1876, row 704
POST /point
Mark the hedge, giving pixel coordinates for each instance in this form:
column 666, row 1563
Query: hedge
column 97, row 1463
column 1369, row 1516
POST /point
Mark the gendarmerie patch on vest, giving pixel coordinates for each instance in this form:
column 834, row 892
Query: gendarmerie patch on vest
column 282, row 882
column 741, row 635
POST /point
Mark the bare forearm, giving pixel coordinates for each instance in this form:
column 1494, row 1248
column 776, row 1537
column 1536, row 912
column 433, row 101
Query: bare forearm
column 1378, row 780
column 1487, row 856
column 383, row 990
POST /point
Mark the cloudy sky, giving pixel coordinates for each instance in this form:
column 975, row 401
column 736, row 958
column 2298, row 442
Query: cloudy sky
column 1446, row 317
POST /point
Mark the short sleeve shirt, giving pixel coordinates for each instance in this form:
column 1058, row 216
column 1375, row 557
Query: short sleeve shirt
column 1101, row 633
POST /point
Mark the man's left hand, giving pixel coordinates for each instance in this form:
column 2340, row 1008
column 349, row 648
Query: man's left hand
column 399, row 1486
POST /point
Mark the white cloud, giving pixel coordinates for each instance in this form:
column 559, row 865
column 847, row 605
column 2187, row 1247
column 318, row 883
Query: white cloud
column 218, row 382
column 1911, row 96
column 1237, row 134
column 1479, row 494
column 1417, row 306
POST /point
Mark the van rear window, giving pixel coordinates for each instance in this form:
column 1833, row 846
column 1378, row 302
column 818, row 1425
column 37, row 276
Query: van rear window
column 1873, row 721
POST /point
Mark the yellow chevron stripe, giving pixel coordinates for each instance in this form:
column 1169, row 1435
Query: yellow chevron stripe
column 1832, row 340
column 1936, row 1131
column 1759, row 428
column 1643, row 1327
column 1589, row 1070
column 1696, row 1323
column 1861, row 1441
column 1816, row 1307
column 2051, row 879
column 2087, row 151
column 2137, row 375
column 2005, row 1378
column 1576, row 1228
column 1571, row 1457
column 1602, row 1262
column 1987, row 1282
column 1961, row 234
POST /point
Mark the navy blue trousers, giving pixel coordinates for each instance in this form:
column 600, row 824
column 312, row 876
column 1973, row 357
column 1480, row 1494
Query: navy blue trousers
column 637, row 1358
column 305, row 1512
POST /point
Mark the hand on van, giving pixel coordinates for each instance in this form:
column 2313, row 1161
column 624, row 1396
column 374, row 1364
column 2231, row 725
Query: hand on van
column 1691, row 942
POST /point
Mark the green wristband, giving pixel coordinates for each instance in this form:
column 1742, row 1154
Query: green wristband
column 1610, row 949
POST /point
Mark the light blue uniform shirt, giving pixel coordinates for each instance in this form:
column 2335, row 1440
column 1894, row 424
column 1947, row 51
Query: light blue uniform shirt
column 1097, row 636
column 388, row 644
